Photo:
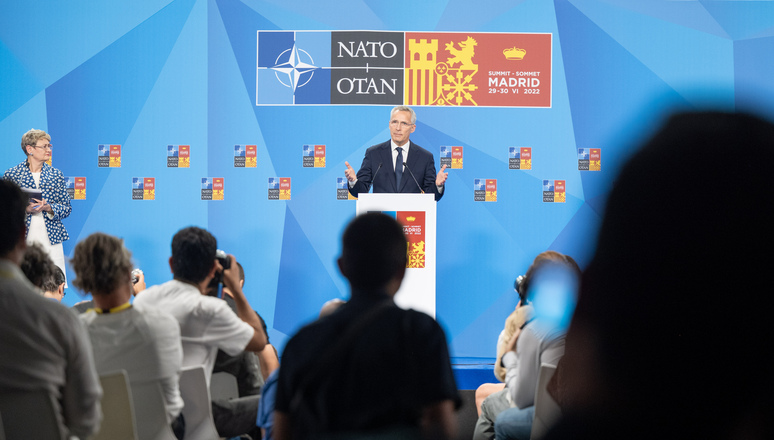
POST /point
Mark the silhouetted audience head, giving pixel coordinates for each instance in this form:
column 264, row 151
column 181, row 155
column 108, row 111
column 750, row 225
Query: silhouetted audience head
column 544, row 258
column 37, row 266
column 12, row 217
column 193, row 254
column 56, row 280
column 53, row 287
column 101, row 264
column 672, row 324
column 373, row 251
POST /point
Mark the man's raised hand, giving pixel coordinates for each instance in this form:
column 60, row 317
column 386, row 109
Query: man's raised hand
column 441, row 178
column 349, row 172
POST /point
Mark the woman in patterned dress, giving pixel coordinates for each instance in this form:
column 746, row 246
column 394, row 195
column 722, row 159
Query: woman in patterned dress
column 45, row 211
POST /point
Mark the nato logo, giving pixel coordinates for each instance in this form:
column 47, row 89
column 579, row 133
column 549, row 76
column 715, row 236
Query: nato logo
column 513, row 153
column 137, row 188
column 548, row 185
column 479, row 185
column 70, row 182
column 239, row 151
column 274, row 188
column 172, row 151
column 583, row 159
column 293, row 68
column 206, row 183
column 103, row 156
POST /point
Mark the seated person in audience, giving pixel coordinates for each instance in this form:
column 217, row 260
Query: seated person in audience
column 138, row 285
column 520, row 315
column 237, row 416
column 206, row 324
column 265, row 419
column 268, row 359
column 528, row 346
column 144, row 343
column 37, row 266
column 59, row 361
column 54, row 287
column 673, row 320
column 370, row 368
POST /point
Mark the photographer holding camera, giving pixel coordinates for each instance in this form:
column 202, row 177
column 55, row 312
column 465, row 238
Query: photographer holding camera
column 206, row 323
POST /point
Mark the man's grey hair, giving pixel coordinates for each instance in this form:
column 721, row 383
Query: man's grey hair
column 404, row 108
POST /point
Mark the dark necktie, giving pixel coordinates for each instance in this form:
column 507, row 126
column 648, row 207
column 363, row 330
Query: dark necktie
column 399, row 167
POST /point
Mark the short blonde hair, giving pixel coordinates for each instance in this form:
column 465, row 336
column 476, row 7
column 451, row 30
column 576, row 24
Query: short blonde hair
column 101, row 263
column 32, row 137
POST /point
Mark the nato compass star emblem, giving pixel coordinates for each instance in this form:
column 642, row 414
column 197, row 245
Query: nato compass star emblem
column 294, row 68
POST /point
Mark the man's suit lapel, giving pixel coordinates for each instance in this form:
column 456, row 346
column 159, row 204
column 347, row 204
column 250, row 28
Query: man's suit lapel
column 388, row 165
column 411, row 162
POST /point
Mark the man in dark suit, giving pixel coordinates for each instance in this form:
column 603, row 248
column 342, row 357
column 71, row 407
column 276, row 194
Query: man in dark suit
column 383, row 167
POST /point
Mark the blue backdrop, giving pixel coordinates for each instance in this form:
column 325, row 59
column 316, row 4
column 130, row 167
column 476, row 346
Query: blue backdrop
column 148, row 74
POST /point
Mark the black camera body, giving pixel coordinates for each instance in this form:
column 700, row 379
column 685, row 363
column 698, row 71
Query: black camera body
column 223, row 259
column 136, row 276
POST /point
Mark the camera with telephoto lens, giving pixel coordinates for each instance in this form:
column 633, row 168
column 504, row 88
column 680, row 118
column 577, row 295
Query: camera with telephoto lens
column 223, row 259
column 136, row 276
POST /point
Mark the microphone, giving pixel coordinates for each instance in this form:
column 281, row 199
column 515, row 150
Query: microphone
column 415, row 179
column 374, row 176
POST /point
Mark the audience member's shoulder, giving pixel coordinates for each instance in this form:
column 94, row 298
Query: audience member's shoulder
column 418, row 316
column 46, row 310
column 545, row 333
column 146, row 296
column 309, row 333
column 215, row 308
column 158, row 293
column 153, row 316
column 159, row 322
column 82, row 306
column 421, row 321
column 86, row 317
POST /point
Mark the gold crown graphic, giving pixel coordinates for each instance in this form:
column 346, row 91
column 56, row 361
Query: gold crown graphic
column 411, row 219
column 514, row 53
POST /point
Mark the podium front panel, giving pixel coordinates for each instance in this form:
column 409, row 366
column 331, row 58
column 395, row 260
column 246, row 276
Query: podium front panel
column 417, row 214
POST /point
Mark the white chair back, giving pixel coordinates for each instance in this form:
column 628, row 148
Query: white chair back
column 197, row 411
column 150, row 412
column 30, row 414
column 546, row 409
column 118, row 421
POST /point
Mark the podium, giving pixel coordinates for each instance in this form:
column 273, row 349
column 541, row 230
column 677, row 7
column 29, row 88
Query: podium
column 416, row 212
